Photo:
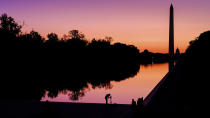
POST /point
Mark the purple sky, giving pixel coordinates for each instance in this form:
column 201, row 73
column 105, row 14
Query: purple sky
column 143, row 23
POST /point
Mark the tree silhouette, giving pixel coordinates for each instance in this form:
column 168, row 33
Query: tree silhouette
column 76, row 39
column 193, row 84
column 53, row 41
column 31, row 40
column 75, row 34
column 35, row 36
column 52, row 37
column 100, row 43
column 8, row 25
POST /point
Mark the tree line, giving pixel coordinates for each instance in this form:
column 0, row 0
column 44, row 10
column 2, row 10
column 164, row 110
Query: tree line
column 31, row 64
column 12, row 37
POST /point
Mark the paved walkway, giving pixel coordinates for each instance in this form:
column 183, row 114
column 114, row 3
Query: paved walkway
column 35, row 109
column 163, row 98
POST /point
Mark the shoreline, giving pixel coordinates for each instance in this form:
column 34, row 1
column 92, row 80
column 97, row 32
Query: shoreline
column 25, row 109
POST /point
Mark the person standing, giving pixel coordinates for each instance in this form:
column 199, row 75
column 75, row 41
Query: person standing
column 107, row 97
column 133, row 104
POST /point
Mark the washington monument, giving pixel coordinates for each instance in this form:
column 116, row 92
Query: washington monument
column 171, row 38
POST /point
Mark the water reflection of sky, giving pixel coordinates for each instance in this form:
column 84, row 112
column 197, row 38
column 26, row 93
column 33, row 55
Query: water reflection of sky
column 124, row 91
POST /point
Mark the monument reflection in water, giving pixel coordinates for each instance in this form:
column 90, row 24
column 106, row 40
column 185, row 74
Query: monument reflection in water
column 122, row 91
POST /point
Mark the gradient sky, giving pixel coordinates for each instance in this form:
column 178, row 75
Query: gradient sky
column 143, row 23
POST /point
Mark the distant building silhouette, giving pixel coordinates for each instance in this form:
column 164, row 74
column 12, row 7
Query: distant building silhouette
column 171, row 38
column 177, row 52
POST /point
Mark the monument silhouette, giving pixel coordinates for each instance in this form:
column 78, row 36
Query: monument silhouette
column 171, row 38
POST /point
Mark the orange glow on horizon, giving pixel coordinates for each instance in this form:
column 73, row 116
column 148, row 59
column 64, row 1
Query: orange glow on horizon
column 143, row 23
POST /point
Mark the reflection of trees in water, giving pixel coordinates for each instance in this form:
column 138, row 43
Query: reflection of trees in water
column 103, row 85
column 75, row 85
column 73, row 95
column 77, row 89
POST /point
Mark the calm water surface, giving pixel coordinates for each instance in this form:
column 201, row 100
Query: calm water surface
column 124, row 91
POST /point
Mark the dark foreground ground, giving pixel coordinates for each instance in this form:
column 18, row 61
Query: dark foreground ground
column 35, row 109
